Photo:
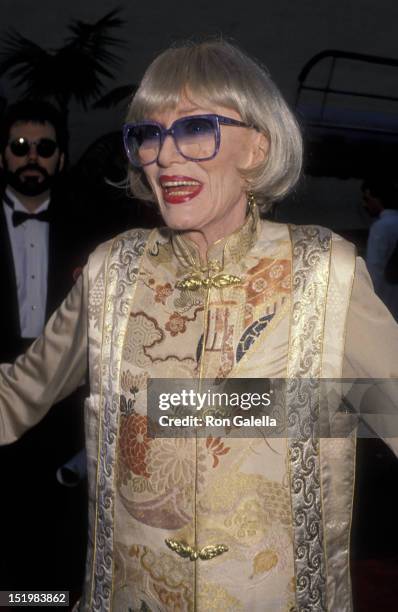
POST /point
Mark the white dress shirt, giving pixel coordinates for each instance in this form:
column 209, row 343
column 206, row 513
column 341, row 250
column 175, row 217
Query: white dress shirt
column 29, row 243
column 383, row 237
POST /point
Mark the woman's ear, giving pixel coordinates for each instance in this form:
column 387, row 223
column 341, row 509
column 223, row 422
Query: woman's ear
column 260, row 148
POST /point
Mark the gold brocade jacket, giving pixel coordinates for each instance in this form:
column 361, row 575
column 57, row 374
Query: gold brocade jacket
column 272, row 302
column 164, row 317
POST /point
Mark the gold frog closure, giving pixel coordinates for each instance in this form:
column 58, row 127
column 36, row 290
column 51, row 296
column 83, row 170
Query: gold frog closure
column 210, row 276
column 192, row 553
column 195, row 282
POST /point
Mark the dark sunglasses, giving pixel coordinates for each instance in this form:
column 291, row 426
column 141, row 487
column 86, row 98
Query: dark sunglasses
column 196, row 137
column 45, row 147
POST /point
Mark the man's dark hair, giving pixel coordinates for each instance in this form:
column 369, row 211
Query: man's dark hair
column 384, row 187
column 35, row 111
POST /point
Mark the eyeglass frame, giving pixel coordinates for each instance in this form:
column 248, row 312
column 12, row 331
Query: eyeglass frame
column 215, row 119
column 32, row 143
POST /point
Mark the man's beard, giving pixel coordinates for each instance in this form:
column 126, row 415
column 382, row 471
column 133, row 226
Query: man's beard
column 30, row 186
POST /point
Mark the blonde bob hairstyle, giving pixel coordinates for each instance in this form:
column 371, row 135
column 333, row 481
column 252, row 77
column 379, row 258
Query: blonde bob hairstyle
column 219, row 73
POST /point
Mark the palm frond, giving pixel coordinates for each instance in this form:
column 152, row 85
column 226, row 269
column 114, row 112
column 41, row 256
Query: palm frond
column 95, row 38
column 27, row 64
column 18, row 50
column 76, row 69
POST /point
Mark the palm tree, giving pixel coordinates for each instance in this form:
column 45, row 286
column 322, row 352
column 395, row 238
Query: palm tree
column 75, row 70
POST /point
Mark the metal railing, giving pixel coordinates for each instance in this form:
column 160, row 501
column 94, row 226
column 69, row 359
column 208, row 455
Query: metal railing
column 336, row 56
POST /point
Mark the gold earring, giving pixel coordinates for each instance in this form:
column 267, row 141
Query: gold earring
column 251, row 201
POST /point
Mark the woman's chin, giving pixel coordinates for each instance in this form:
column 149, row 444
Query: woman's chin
column 181, row 220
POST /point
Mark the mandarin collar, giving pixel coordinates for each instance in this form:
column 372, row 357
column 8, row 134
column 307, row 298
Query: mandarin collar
column 225, row 251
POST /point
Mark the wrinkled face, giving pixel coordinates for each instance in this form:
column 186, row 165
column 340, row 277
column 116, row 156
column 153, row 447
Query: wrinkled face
column 210, row 196
column 31, row 174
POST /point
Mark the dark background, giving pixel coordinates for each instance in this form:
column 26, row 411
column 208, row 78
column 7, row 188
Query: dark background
column 283, row 35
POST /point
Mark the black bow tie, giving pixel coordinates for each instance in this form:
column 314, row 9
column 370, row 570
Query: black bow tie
column 18, row 217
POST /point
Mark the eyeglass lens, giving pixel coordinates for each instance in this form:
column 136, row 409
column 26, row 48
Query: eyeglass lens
column 44, row 147
column 195, row 138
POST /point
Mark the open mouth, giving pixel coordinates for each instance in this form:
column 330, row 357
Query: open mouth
column 177, row 190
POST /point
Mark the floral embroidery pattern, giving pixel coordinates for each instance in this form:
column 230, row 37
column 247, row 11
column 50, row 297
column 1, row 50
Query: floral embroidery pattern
column 131, row 383
column 264, row 561
column 171, row 463
column 267, row 278
column 172, row 600
column 162, row 292
column 134, row 551
column 176, row 324
column 166, row 570
column 134, row 443
column 127, row 404
column 276, row 271
column 216, row 448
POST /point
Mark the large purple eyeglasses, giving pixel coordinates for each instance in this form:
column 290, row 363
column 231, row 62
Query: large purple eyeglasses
column 197, row 138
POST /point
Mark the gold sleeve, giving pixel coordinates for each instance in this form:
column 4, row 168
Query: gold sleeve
column 371, row 347
column 371, row 352
column 53, row 366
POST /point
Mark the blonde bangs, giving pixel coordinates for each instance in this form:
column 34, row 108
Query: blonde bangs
column 185, row 71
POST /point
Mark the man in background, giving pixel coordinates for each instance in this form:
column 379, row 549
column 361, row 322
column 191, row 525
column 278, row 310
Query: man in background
column 41, row 523
column 37, row 254
column 380, row 198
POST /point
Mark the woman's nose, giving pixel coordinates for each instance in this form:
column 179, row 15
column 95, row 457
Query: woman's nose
column 169, row 153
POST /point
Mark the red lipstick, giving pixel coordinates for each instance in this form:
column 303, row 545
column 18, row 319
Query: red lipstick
column 178, row 189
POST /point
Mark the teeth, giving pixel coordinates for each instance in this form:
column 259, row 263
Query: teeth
column 179, row 193
column 179, row 183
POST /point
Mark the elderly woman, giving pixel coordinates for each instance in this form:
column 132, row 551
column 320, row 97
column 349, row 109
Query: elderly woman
column 208, row 523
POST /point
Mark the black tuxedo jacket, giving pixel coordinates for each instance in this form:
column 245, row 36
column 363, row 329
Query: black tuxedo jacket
column 42, row 524
column 66, row 254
